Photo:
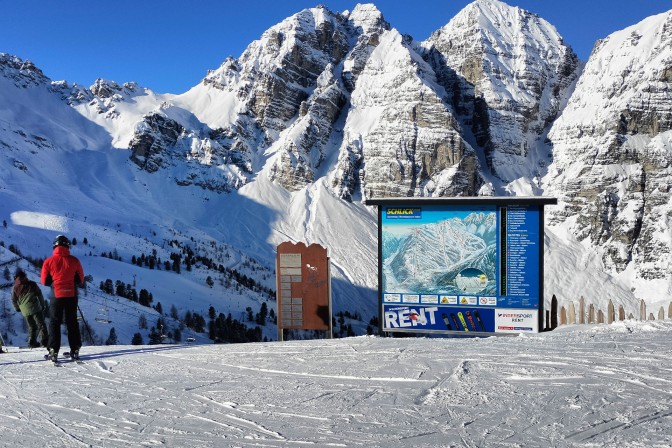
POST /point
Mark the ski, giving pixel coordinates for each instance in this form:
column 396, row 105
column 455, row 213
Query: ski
column 478, row 319
column 471, row 320
column 462, row 321
column 66, row 355
column 56, row 363
column 446, row 321
column 454, row 319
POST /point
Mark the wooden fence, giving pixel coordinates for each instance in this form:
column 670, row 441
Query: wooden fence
column 594, row 315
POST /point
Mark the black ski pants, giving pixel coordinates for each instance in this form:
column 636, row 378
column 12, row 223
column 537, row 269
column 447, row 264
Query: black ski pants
column 58, row 307
column 36, row 324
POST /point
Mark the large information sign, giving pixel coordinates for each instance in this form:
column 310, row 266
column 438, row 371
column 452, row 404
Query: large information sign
column 461, row 265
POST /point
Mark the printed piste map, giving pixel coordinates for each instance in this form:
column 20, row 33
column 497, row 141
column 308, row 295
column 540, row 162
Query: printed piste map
column 437, row 251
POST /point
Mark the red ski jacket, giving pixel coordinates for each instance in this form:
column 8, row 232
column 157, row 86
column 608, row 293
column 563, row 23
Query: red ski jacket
column 64, row 271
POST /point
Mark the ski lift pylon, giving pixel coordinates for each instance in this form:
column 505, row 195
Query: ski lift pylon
column 103, row 314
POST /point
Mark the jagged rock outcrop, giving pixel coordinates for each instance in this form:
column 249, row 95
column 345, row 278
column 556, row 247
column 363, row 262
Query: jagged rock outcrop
column 106, row 94
column 303, row 146
column 161, row 142
column 400, row 137
column 152, row 138
column 23, row 72
column 612, row 150
column 277, row 73
column 506, row 71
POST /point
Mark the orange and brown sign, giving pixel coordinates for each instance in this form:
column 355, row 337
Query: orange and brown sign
column 303, row 287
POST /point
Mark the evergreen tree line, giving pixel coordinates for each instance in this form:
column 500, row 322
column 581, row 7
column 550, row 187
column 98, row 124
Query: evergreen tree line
column 192, row 259
column 37, row 262
column 127, row 291
column 226, row 329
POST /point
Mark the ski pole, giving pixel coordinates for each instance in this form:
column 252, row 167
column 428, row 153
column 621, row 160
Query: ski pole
column 88, row 329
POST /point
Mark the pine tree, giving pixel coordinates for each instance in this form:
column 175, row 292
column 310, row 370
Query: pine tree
column 263, row 313
column 112, row 338
column 137, row 339
column 154, row 337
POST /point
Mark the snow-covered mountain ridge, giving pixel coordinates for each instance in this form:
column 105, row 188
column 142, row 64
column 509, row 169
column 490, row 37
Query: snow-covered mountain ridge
column 328, row 109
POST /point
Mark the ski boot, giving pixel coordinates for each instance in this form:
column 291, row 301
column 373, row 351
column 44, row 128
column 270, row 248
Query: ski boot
column 53, row 355
column 75, row 355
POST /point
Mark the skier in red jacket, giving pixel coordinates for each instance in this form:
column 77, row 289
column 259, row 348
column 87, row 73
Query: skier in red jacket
column 64, row 273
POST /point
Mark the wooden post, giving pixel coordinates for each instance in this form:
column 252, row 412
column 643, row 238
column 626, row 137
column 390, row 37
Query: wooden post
column 669, row 311
column 554, row 313
column 591, row 314
column 600, row 317
column 563, row 316
column 582, row 310
column 661, row 313
column 642, row 310
column 611, row 315
column 572, row 314
column 621, row 313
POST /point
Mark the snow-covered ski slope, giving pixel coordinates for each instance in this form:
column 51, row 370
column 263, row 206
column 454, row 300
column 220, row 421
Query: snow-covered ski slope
column 605, row 385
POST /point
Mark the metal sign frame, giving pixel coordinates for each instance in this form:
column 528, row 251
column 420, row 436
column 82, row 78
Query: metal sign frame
column 499, row 293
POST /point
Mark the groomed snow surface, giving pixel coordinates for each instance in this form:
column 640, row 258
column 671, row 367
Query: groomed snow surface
column 581, row 385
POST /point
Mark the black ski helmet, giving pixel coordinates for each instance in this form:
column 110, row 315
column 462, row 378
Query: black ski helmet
column 62, row 240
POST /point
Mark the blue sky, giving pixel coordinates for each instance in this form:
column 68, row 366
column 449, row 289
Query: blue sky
column 168, row 45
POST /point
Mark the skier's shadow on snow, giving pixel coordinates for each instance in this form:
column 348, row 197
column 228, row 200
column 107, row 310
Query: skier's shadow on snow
column 151, row 349
column 112, row 354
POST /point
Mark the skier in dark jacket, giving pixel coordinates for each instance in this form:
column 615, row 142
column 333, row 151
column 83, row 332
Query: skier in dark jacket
column 64, row 273
column 27, row 298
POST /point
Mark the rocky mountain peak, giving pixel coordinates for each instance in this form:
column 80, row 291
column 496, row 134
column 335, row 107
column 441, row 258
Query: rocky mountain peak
column 367, row 19
column 22, row 72
column 510, row 71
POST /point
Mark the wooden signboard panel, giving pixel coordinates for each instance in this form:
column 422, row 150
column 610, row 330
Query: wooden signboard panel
column 303, row 287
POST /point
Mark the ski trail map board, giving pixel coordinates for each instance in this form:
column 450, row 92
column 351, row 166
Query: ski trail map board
column 461, row 265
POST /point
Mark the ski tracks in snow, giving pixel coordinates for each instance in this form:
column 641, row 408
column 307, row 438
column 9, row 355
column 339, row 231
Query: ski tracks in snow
column 547, row 390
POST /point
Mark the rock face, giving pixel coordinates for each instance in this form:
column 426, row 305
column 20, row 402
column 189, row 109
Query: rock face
column 152, row 137
column 161, row 142
column 22, row 73
column 507, row 71
column 397, row 136
column 612, row 151
column 462, row 114
column 400, row 137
